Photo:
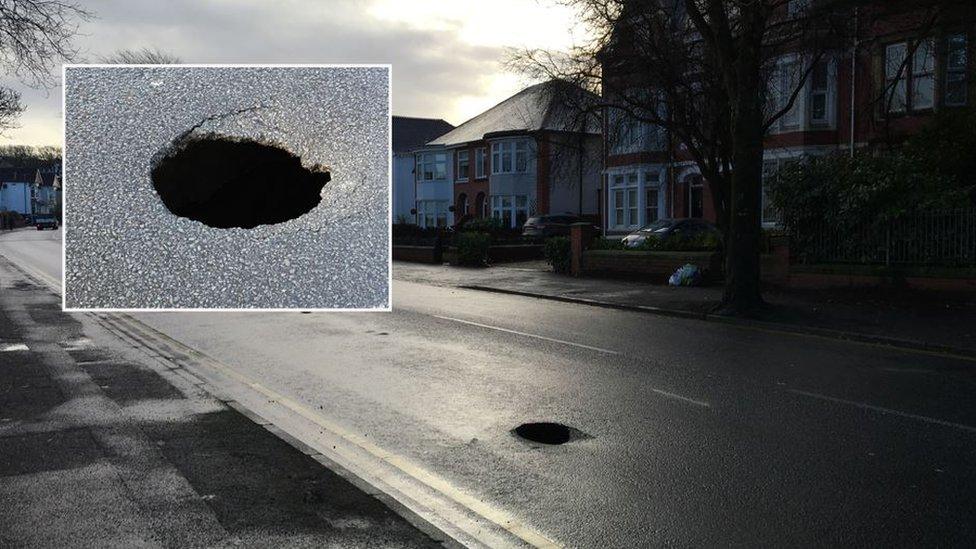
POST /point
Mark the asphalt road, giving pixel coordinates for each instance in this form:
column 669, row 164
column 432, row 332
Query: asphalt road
column 696, row 433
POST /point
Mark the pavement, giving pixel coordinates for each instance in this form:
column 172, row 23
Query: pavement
column 904, row 318
column 686, row 433
column 100, row 447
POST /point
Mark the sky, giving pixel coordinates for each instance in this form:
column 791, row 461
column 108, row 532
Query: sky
column 447, row 55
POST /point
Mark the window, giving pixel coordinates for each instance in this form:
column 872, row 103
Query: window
column 651, row 196
column 787, row 85
column 512, row 210
column 462, row 166
column 501, row 157
column 431, row 166
column 696, row 197
column 955, row 74
column 432, row 213
column 480, row 162
column 625, row 132
column 923, row 76
column 896, row 82
column 632, row 206
column 521, row 156
column 819, row 93
column 797, row 8
column 624, row 194
column 770, row 215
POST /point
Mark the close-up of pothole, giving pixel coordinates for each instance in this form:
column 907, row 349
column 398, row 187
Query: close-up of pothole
column 226, row 182
column 552, row 434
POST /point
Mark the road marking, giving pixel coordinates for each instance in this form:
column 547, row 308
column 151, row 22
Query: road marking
column 684, row 398
column 13, row 347
column 516, row 332
column 887, row 411
column 162, row 344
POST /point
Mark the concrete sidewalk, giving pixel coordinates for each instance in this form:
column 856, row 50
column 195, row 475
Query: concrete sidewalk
column 917, row 320
column 100, row 449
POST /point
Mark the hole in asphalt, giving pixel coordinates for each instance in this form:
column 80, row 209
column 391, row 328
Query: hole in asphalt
column 545, row 433
column 226, row 182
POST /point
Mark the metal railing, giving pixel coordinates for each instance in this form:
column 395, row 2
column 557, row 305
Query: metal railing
column 938, row 238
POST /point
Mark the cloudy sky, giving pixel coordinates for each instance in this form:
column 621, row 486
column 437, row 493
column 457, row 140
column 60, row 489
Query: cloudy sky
column 447, row 55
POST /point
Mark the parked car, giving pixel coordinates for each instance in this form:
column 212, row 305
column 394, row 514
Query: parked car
column 550, row 225
column 46, row 222
column 663, row 229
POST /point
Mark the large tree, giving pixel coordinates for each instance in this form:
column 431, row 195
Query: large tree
column 714, row 76
column 35, row 35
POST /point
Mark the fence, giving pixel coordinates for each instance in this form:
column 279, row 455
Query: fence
column 941, row 238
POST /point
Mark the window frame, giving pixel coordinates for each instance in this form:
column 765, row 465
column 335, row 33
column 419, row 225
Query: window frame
column 481, row 163
column 421, row 161
column 516, row 206
column 951, row 70
column 461, row 174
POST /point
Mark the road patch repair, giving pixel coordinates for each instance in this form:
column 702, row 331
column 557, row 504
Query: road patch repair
column 100, row 447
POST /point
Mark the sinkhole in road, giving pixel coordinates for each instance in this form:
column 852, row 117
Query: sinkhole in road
column 545, row 432
column 226, row 182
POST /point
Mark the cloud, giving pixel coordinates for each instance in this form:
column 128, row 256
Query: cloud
column 435, row 72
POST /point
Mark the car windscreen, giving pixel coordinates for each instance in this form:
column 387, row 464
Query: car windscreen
column 533, row 221
column 659, row 226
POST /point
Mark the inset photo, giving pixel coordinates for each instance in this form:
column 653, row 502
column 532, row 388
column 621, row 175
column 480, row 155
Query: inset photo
column 227, row 187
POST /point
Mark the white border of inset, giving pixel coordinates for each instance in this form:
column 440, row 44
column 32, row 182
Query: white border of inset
column 389, row 160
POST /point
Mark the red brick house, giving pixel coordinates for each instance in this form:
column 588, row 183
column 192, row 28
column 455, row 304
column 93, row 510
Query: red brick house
column 528, row 155
column 879, row 88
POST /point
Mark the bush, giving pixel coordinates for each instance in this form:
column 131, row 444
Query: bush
column 603, row 243
column 410, row 234
column 492, row 226
column 472, row 248
column 557, row 251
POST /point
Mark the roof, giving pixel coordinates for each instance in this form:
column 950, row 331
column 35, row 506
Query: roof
column 17, row 175
column 48, row 179
column 553, row 105
column 410, row 133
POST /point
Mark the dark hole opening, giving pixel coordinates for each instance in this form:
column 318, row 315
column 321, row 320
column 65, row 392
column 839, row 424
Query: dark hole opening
column 544, row 433
column 228, row 182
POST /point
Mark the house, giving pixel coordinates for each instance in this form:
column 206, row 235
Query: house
column 531, row 154
column 17, row 191
column 881, row 87
column 410, row 134
column 47, row 191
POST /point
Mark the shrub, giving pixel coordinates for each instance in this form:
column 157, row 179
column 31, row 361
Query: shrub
column 557, row 252
column 472, row 248
column 603, row 243
column 410, row 234
column 492, row 226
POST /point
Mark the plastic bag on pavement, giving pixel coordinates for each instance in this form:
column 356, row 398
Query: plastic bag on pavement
column 688, row 275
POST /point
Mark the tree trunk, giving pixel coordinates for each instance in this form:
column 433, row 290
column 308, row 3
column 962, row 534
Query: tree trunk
column 743, row 293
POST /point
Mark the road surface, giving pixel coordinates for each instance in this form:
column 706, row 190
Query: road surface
column 691, row 433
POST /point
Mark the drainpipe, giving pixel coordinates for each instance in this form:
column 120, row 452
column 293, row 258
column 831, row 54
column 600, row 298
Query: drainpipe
column 853, row 79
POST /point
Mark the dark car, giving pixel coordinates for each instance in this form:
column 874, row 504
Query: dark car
column 46, row 222
column 549, row 225
column 672, row 228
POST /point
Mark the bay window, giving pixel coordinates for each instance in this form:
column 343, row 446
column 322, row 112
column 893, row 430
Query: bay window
column 510, row 156
column 512, row 210
column 432, row 213
column 431, row 166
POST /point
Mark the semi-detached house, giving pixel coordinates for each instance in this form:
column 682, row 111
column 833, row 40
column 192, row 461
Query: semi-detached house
column 531, row 154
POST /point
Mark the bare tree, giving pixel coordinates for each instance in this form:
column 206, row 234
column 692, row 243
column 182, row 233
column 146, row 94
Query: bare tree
column 142, row 56
column 714, row 76
column 35, row 35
